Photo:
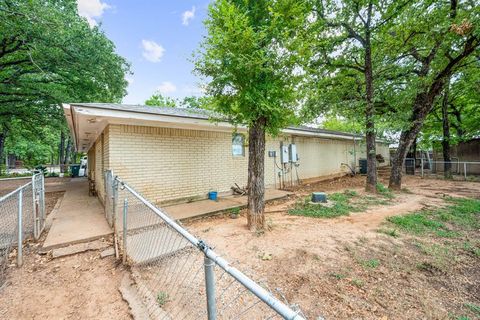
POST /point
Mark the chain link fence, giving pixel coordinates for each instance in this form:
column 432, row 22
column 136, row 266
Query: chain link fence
column 179, row 276
column 22, row 216
column 459, row 170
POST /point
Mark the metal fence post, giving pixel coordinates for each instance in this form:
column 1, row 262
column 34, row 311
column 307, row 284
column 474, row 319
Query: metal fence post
column 125, row 208
column 421, row 166
column 210, row 288
column 114, row 203
column 35, row 211
column 465, row 170
column 20, row 229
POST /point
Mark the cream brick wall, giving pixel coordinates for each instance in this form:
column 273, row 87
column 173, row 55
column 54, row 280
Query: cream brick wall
column 99, row 167
column 165, row 164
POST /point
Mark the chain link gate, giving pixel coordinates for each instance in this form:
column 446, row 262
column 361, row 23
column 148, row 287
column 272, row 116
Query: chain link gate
column 38, row 198
column 179, row 276
column 22, row 215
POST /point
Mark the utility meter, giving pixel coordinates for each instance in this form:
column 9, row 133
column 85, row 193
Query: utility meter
column 283, row 153
column 292, row 153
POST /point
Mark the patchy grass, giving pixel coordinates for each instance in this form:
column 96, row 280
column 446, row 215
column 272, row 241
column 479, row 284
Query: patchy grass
column 342, row 203
column 389, row 232
column 384, row 191
column 460, row 214
column 370, row 263
column 162, row 298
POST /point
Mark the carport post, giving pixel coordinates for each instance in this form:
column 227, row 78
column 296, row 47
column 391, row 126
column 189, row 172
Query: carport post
column 20, row 229
column 465, row 170
column 125, row 208
column 210, row 288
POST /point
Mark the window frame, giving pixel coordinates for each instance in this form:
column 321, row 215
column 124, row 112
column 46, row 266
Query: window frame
column 234, row 144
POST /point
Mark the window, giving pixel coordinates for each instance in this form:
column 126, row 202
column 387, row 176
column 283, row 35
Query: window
column 238, row 145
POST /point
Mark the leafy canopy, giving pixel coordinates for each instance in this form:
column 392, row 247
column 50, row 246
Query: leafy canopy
column 250, row 58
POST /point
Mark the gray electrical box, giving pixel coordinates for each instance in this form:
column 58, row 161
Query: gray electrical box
column 272, row 154
column 292, row 153
column 283, row 153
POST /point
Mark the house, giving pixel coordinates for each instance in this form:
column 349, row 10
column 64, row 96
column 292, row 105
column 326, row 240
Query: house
column 175, row 154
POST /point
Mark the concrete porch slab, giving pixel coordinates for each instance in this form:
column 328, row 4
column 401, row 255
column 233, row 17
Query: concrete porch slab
column 80, row 218
column 206, row 207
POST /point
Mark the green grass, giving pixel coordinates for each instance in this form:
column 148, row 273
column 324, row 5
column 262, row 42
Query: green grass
column 473, row 307
column 461, row 213
column 340, row 207
column 343, row 204
column 370, row 263
column 384, row 191
column 389, row 232
column 357, row 283
column 162, row 298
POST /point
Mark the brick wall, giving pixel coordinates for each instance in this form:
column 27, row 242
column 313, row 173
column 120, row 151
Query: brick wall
column 166, row 164
column 99, row 167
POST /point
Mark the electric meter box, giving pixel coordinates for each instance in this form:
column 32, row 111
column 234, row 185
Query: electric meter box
column 283, row 153
column 292, row 153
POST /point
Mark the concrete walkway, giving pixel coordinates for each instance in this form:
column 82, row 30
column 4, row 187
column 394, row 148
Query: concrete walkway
column 80, row 218
column 205, row 207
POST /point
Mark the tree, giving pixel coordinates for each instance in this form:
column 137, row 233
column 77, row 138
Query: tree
column 50, row 55
column 158, row 100
column 249, row 56
column 431, row 40
column 347, row 61
column 195, row 102
column 454, row 117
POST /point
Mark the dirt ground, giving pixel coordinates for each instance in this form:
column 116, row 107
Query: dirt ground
column 321, row 263
column 81, row 286
column 52, row 184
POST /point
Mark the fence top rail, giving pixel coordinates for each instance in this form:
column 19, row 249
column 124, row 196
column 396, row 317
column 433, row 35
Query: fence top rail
column 441, row 161
column 248, row 283
column 14, row 191
column 17, row 178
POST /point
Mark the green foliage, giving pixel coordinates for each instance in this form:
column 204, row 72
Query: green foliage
column 464, row 213
column 162, row 298
column 158, row 100
column 370, row 263
column 250, row 56
column 235, row 211
column 50, row 55
column 336, row 123
column 195, row 102
column 384, row 191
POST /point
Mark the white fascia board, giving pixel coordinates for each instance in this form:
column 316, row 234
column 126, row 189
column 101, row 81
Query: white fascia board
column 67, row 111
column 156, row 120
column 317, row 134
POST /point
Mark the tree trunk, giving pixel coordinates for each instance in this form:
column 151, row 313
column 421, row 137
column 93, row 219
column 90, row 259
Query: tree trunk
column 371, row 185
column 256, row 184
column 68, row 150
column 447, row 167
column 3, row 136
column 423, row 105
column 61, row 150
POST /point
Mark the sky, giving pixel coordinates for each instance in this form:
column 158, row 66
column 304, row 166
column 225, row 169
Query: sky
column 157, row 37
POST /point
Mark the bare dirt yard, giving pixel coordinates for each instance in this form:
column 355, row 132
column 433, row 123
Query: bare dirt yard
column 364, row 258
column 81, row 286
column 359, row 265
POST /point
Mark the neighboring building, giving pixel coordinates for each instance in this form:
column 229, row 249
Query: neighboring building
column 171, row 154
